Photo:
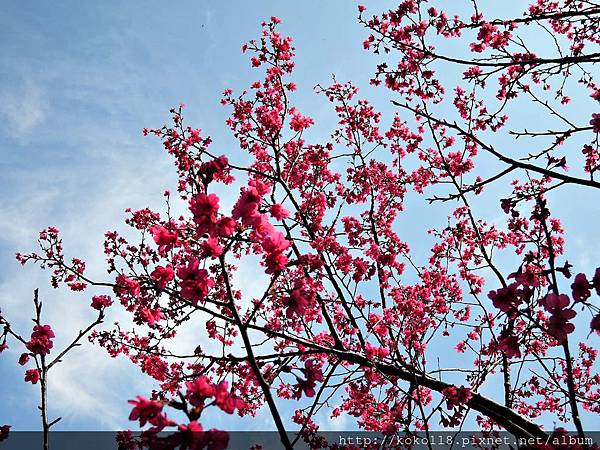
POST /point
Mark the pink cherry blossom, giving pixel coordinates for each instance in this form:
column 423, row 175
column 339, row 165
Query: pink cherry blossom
column 581, row 288
column 148, row 411
column 457, row 396
column 595, row 123
column 278, row 212
column 32, row 376
column 100, row 302
column 163, row 275
column 195, row 282
column 164, row 238
column 226, row 400
column 41, row 340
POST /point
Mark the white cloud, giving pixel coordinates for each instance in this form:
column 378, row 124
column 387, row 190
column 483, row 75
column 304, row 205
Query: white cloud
column 88, row 386
column 23, row 107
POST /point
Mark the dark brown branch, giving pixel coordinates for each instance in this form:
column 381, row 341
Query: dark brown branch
column 505, row 159
column 252, row 360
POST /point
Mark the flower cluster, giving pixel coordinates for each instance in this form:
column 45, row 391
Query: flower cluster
column 558, row 324
column 457, row 396
column 343, row 310
column 41, row 340
column 201, row 389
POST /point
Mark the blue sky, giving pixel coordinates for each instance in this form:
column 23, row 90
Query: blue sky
column 79, row 82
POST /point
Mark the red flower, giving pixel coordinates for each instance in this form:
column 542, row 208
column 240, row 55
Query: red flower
column 41, row 340
column 226, row 400
column 192, row 427
column 278, row 212
column 558, row 324
column 211, row 248
column 150, row 315
column 510, row 346
column 162, row 275
column 149, row 411
column 299, row 122
column 595, row 123
column 456, row 396
column 100, row 302
column 127, row 286
column 215, row 169
column 226, row 226
column 247, row 205
column 23, row 359
column 312, row 374
column 559, row 327
column 581, row 288
column 205, row 208
column 553, row 302
column 217, row 440
column 164, row 238
column 274, row 245
column 194, row 438
column 32, row 375
column 528, row 277
column 506, row 299
column 195, row 282
column 375, row 351
column 42, row 332
column 199, row 390
column 297, row 301
column 596, row 281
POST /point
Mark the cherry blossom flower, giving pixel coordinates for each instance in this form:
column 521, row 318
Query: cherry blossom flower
column 312, row 374
column 274, row 245
column 509, row 345
column 127, row 286
column 581, row 288
column 165, row 239
column 41, row 340
column 211, row 248
column 148, row 411
column 226, row 400
column 199, row 390
column 297, row 301
column 596, row 281
column 163, row 275
column 299, row 122
column 506, row 299
column 558, row 324
column 278, row 212
column 346, row 295
column 195, row 282
column 457, row 396
column 205, row 208
column 100, row 302
column 32, row 376
column 595, row 123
